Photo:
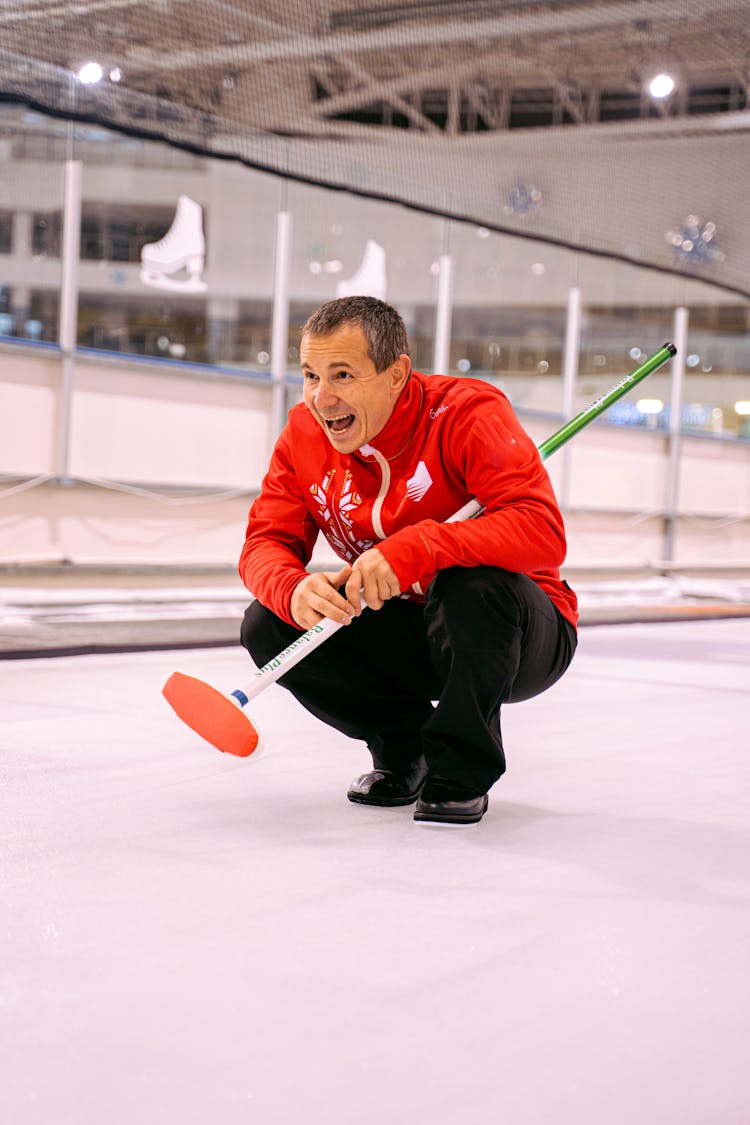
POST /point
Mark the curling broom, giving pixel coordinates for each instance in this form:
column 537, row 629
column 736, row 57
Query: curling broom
column 221, row 720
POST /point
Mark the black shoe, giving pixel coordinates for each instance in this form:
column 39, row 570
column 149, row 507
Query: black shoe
column 386, row 788
column 445, row 802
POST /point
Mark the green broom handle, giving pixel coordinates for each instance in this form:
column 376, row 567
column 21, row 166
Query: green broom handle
column 473, row 509
column 575, row 424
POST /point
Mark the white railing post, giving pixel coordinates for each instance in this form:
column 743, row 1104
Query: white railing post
column 280, row 324
column 570, row 378
column 672, row 484
column 68, row 319
column 444, row 314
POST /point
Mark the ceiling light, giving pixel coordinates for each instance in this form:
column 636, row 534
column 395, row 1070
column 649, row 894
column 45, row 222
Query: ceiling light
column 650, row 405
column 90, row 73
column 743, row 406
column 661, row 86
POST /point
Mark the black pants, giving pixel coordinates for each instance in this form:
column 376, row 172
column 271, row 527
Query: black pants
column 484, row 637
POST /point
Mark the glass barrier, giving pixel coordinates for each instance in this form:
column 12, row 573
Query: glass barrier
column 509, row 321
column 177, row 258
column 31, row 207
column 342, row 244
column 186, row 275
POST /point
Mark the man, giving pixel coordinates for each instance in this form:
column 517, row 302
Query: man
column 461, row 617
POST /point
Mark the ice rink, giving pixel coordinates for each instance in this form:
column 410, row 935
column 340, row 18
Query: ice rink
column 192, row 938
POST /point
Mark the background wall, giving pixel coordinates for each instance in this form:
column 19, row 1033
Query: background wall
column 146, row 439
column 163, row 466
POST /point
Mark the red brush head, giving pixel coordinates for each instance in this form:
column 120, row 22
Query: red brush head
column 211, row 714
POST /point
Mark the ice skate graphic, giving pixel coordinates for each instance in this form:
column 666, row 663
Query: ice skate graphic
column 369, row 280
column 182, row 251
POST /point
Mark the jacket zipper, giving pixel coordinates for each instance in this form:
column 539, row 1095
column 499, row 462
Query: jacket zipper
column 385, row 482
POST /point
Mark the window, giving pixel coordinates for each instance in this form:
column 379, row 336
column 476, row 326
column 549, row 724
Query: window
column 46, row 236
column 6, row 232
column 112, row 233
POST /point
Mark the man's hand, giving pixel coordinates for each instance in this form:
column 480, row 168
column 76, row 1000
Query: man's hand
column 373, row 576
column 317, row 597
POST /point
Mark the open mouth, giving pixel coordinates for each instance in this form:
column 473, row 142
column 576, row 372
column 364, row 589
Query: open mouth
column 340, row 424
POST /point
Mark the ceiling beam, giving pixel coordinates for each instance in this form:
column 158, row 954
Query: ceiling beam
column 419, row 35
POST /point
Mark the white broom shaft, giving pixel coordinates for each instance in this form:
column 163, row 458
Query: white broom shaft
column 296, row 651
column 307, row 642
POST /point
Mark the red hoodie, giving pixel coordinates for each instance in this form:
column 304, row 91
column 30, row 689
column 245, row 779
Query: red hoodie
column 447, row 441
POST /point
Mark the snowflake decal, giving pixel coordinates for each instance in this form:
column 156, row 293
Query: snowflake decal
column 695, row 242
column 524, row 201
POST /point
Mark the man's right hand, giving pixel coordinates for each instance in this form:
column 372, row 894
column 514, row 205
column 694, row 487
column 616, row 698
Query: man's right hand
column 317, row 597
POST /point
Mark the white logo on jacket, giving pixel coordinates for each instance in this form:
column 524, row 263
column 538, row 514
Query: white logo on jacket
column 417, row 485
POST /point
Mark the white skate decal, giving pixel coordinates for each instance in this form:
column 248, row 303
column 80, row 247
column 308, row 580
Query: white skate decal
column 182, row 250
column 370, row 278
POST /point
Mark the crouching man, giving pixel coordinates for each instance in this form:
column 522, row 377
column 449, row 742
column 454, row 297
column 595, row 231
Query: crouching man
column 461, row 617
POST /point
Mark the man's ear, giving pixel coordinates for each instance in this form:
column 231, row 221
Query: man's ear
column 400, row 372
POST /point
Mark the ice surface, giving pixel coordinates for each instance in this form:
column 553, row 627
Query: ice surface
column 188, row 937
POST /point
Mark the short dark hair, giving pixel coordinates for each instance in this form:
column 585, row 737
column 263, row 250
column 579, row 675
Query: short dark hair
column 382, row 327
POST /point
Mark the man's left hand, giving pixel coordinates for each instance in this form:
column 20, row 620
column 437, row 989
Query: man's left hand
column 373, row 575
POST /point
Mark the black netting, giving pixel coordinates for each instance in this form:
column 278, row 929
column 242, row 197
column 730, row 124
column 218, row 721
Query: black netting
column 525, row 117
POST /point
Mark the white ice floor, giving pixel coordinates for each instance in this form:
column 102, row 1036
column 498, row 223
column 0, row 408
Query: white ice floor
column 190, row 938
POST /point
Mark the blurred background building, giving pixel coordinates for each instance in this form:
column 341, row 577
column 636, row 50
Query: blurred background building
column 180, row 186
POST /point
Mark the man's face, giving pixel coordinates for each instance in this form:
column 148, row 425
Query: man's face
column 350, row 399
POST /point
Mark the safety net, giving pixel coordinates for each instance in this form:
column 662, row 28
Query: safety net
column 532, row 117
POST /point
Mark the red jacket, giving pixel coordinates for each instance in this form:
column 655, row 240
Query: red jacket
column 447, row 441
